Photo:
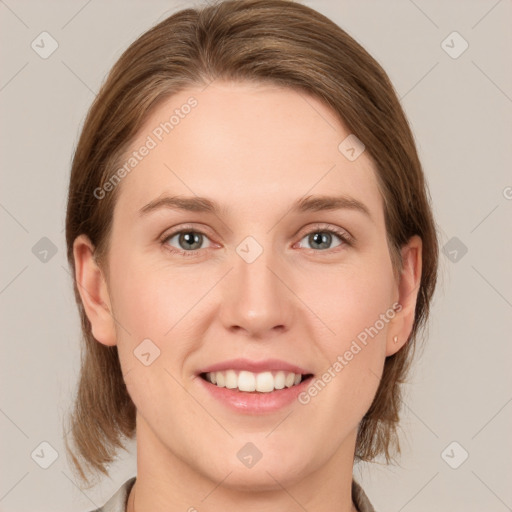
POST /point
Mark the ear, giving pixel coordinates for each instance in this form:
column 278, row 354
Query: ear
column 93, row 290
column 410, row 278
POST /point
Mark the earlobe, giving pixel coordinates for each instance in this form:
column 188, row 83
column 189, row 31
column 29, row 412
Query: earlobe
column 408, row 288
column 93, row 291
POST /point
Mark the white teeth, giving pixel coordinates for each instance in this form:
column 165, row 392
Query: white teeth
column 246, row 381
column 264, row 382
column 290, row 378
column 231, row 380
column 221, row 380
column 279, row 380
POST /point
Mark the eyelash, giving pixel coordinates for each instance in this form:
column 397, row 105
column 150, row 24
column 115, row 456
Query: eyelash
column 345, row 238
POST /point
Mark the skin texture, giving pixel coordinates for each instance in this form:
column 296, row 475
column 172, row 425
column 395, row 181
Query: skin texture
column 255, row 149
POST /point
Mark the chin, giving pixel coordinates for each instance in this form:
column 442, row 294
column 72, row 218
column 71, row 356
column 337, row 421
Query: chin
column 268, row 473
column 258, row 480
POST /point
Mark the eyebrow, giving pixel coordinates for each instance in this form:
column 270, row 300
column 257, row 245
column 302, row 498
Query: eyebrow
column 305, row 204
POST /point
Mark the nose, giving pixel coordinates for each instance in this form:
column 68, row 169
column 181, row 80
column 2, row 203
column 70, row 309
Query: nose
column 256, row 299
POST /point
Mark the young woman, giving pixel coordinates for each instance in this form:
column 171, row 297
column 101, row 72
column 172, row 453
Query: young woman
column 254, row 256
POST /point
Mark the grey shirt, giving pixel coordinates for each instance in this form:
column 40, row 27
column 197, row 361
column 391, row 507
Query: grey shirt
column 117, row 503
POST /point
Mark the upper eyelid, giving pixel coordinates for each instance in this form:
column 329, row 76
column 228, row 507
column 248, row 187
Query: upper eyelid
column 340, row 232
column 322, row 226
column 183, row 229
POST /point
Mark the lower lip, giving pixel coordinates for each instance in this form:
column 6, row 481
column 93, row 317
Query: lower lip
column 255, row 402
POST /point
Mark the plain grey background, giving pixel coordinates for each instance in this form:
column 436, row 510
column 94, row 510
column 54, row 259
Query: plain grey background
column 460, row 109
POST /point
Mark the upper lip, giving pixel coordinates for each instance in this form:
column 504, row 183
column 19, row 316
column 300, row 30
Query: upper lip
column 255, row 366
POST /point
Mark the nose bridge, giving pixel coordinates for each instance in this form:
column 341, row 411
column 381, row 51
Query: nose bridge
column 255, row 298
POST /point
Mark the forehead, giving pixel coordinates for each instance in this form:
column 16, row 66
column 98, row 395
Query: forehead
column 246, row 145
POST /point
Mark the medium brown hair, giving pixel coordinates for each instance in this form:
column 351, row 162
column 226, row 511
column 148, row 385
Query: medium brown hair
column 278, row 42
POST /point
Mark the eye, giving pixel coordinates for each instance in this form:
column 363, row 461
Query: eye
column 321, row 238
column 188, row 242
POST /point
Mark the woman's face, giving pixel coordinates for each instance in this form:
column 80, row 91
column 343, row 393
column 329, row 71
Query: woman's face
column 257, row 279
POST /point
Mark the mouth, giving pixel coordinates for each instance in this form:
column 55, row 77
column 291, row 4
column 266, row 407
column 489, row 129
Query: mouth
column 251, row 382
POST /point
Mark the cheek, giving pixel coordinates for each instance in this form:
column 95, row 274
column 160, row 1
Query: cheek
column 356, row 305
column 361, row 307
column 353, row 357
column 149, row 298
column 350, row 298
column 149, row 303
column 152, row 301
